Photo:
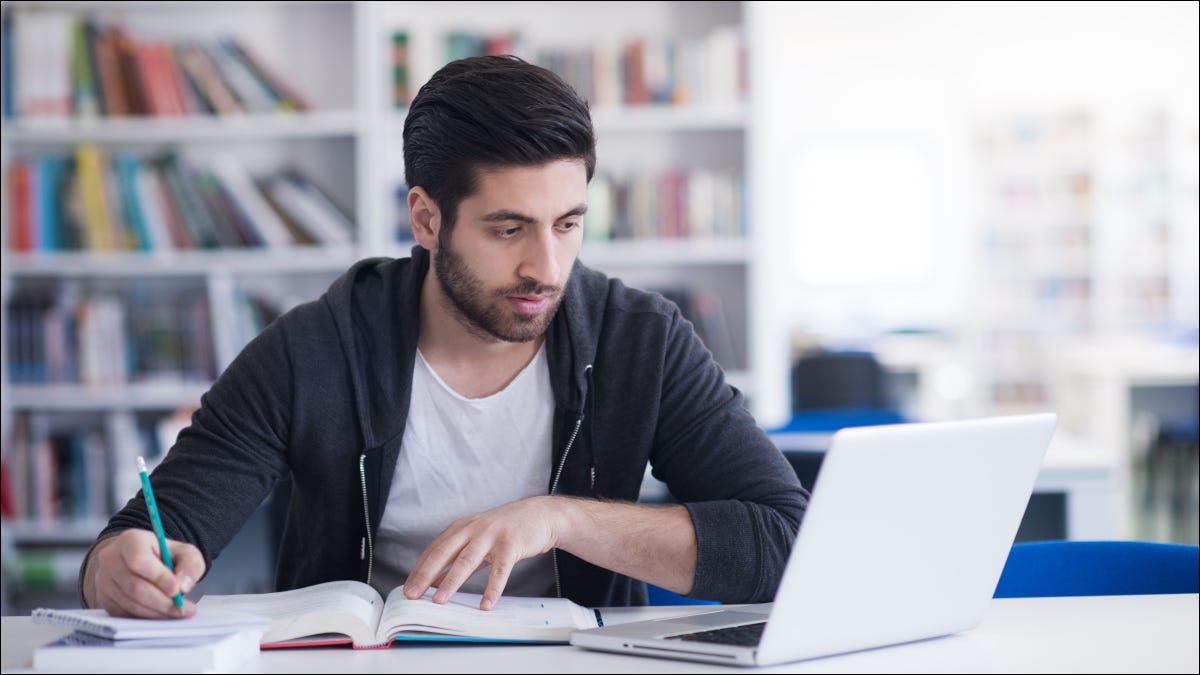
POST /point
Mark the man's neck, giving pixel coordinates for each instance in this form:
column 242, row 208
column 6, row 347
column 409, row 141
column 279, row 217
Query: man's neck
column 471, row 364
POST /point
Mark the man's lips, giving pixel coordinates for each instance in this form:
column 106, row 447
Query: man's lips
column 528, row 304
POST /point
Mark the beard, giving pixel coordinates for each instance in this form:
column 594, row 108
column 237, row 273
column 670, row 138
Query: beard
column 486, row 313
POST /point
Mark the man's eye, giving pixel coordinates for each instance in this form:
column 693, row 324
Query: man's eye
column 508, row 232
column 571, row 224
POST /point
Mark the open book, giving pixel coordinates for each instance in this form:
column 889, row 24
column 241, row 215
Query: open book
column 341, row 612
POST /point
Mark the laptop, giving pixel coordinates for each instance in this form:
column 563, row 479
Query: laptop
column 904, row 539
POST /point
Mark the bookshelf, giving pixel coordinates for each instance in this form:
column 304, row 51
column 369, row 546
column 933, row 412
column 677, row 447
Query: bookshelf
column 143, row 328
column 1090, row 246
column 347, row 142
column 1088, row 229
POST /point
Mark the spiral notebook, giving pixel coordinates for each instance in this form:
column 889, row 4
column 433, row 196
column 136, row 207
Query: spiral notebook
column 100, row 623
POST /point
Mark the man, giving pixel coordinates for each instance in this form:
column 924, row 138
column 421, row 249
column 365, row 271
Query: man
column 478, row 416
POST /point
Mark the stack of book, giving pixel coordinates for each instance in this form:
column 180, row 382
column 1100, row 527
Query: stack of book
column 211, row 641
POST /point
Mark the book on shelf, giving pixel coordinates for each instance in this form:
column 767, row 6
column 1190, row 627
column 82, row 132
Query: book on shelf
column 253, row 208
column 252, row 312
column 248, row 89
column 82, row 652
column 94, row 200
column 232, row 230
column 704, row 310
column 99, row 230
column 353, row 613
column 56, row 466
column 287, row 99
column 7, row 71
column 45, row 568
column 84, row 88
column 694, row 204
column 136, row 87
column 400, row 76
column 60, row 63
column 309, row 207
column 63, row 335
column 43, row 70
column 705, row 69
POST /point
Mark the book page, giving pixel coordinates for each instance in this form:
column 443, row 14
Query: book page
column 349, row 607
column 513, row 618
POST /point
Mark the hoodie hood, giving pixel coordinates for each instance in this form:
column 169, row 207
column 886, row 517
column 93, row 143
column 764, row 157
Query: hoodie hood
column 376, row 310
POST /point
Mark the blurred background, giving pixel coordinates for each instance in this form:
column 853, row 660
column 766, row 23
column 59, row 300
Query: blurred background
column 871, row 212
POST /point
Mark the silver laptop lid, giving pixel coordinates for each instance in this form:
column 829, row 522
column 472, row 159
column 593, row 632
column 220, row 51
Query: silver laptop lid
column 906, row 535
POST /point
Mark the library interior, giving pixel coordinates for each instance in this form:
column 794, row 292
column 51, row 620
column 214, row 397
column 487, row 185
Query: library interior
column 870, row 212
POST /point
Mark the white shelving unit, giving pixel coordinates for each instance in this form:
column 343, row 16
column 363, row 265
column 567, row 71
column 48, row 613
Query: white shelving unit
column 311, row 46
column 337, row 54
column 1090, row 232
column 1090, row 267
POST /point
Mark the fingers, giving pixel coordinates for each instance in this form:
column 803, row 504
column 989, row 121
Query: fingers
column 132, row 580
column 497, row 580
column 189, row 564
column 468, row 561
column 499, row 537
column 135, row 597
column 430, row 566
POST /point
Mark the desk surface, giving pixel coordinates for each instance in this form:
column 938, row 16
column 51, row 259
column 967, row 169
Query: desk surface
column 1145, row 633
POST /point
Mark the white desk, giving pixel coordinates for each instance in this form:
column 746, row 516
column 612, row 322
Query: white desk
column 1147, row 633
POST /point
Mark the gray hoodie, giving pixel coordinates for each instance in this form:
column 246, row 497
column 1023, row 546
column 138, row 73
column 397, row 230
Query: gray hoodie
column 322, row 394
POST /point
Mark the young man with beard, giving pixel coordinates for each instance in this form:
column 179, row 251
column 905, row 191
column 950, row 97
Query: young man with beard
column 478, row 416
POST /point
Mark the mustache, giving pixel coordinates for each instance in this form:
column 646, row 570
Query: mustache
column 530, row 288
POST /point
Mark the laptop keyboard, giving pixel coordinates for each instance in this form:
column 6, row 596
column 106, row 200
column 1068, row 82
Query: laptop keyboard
column 746, row 635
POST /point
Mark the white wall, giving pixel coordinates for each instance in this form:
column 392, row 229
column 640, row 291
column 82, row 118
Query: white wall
column 921, row 73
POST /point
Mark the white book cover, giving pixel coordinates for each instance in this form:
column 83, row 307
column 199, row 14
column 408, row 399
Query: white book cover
column 154, row 210
column 80, row 652
column 308, row 212
column 237, row 179
column 43, row 78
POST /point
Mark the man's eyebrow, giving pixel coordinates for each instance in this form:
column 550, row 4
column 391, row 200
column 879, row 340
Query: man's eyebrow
column 507, row 215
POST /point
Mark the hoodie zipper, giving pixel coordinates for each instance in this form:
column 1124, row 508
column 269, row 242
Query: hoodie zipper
column 366, row 547
column 558, row 474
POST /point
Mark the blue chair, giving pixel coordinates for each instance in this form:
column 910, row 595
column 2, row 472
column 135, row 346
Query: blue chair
column 1069, row 568
column 661, row 596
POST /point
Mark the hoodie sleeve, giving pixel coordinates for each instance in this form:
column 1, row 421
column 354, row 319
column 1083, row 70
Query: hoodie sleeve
column 743, row 496
column 224, row 464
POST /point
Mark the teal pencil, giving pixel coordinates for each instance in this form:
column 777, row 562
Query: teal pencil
column 156, row 520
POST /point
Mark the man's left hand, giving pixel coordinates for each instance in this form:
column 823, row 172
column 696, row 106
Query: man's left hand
column 499, row 537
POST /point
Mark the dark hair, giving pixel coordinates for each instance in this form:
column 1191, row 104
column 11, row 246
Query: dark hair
column 490, row 111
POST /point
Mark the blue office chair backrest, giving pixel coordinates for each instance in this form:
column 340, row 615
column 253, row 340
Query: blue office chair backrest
column 1064, row 568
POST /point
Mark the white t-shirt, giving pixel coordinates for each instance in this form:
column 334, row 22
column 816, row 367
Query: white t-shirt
column 462, row 456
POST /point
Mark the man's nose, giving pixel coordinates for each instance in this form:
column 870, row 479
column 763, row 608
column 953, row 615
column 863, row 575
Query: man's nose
column 540, row 261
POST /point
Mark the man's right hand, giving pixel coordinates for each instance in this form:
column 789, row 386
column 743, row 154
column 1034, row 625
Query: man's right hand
column 125, row 575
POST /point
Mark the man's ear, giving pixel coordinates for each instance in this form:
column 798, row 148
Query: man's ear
column 425, row 217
